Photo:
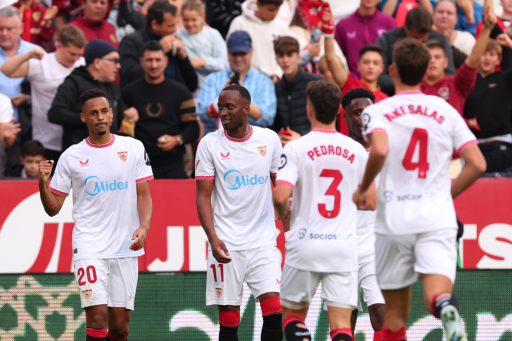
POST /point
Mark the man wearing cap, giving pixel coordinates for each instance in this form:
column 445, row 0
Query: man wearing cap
column 100, row 71
column 260, row 86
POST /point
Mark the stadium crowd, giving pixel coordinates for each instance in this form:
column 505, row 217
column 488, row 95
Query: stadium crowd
column 164, row 63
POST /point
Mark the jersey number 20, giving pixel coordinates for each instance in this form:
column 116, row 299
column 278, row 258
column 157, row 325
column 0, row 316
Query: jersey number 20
column 332, row 190
column 420, row 135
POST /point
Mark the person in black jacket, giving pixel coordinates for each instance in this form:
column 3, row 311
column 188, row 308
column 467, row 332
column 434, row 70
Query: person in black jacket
column 102, row 65
column 291, row 117
column 161, row 26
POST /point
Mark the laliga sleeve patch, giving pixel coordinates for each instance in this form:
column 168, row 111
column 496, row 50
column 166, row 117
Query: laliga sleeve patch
column 146, row 158
column 365, row 120
column 282, row 161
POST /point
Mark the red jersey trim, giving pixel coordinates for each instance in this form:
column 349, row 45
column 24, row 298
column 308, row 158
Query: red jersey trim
column 147, row 178
column 374, row 130
column 409, row 92
column 238, row 140
column 466, row 144
column 369, row 149
column 330, row 131
column 53, row 190
column 101, row 145
column 284, row 182
column 273, row 174
column 205, row 177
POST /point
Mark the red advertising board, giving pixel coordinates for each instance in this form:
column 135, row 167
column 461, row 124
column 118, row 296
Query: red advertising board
column 31, row 241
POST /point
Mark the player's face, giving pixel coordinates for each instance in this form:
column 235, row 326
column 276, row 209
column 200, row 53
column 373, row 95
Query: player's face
column 233, row 110
column 97, row 115
column 154, row 63
column 68, row 55
column 95, row 10
column 353, row 115
column 289, row 62
column 438, row 63
column 31, row 164
column 488, row 62
column 371, row 66
column 239, row 61
column 417, row 35
column 445, row 15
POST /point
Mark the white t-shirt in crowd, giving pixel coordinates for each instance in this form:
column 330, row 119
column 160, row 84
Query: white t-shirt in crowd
column 6, row 110
column 464, row 41
column 243, row 212
column 324, row 168
column 104, row 179
column 415, row 186
column 45, row 76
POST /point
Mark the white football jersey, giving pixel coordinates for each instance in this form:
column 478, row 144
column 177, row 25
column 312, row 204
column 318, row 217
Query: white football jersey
column 324, row 168
column 422, row 131
column 104, row 179
column 243, row 212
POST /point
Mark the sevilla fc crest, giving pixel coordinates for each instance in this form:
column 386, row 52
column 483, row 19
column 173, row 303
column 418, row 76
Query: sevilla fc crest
column 87, row 294
column 219, row 292
column 262, row 150
column 123, row 156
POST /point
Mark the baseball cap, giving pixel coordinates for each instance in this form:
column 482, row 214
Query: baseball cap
column 239, row 41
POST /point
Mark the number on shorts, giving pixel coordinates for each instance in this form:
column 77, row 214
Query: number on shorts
column 420, row 135
column 332, row 190
column 221, row 267
column 91, row 275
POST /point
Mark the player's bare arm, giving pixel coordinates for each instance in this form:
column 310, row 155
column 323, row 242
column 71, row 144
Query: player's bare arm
column 338, row 71
column 145, row 207
column 204, row 189
column 281, row 197
column 474, row 168
column 52, row 203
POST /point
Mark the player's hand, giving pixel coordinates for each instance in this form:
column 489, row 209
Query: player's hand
column 37, row 54
column 139, row 237
column 359, row 199
column 45, row 169
column 167, row 42
column 288, row 136
column 131, row 115
column 166, row 143
column 220, row 251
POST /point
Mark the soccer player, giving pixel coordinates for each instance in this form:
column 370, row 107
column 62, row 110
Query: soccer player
column 354, row 102
column 112, row 213
column 412, row 137
column 234, row 168
column 321, row 168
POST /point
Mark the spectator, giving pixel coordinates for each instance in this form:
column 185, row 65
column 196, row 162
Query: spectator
column 100, row 71
column 455, row 89
column 120, row 23
column 11, row 44
column 399, row 8
column 166, row 123
column 92, row 22
column 470, row 13
column 263, row 103
column 259, row 20
column 220, row 14
column 205, row 47
column 161, row 26
column 360, row 29
column 37, row 21
column 445, row 19
column 32, row 153
column 418, row 25
column 8, row 130
column 291, row 116
column 488, row 108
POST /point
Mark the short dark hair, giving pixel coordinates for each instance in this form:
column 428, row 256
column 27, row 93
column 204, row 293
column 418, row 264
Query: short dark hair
column 32, row 148
column 271, row 2
column 157, row 11
column 153, row 45
column 357, row 93
column 72, row 35
column 285, row 45
column 90, row 94
column 419, row 19
column 244, row 93
column 435, row 44
column 371, row 48
column 325, row 98
column 411, row 59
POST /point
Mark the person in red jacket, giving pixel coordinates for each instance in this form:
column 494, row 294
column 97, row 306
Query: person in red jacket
column 37, row 21
column 93, row 24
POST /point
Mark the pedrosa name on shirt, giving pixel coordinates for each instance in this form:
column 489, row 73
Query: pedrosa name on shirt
column 414, row 110
column 94, row 186
column 233, row 179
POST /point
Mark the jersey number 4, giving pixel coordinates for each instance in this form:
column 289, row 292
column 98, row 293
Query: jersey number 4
column 332, row 190
column 91, row 275
column 420, row 135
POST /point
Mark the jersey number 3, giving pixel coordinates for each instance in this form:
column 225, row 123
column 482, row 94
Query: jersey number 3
column 332, row 190
column 420, row 135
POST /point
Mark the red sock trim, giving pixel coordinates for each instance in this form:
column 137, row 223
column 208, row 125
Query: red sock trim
column 271, row 306
column 229, row 319
column 338, row 331
column 113, row 338
column 388, row 335
column 96, row 332
column 433, row 306
column 377, row 336
column 291, row 319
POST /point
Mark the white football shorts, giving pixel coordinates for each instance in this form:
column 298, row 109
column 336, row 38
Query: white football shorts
column 339, row 289
column 368, row 283
column 401, row 258
column 111, row 281
column 260, row 268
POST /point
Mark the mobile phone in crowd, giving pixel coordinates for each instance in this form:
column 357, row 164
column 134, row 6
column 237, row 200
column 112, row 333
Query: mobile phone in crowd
column 234, row 77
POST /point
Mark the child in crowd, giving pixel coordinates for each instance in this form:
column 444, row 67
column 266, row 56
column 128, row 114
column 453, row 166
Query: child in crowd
column 32, row 153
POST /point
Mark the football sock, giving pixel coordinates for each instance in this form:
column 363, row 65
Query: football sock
column 229, row 321
column 95, row 334
column 295, row 329
column 437, row 306
column 272, row 319
column 377, row 336
column 113, row 338
column 341, row 334
column 388, row 335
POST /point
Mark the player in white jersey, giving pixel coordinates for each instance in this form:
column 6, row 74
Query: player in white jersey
column 112, row 210
column 321, row 168
column 413, row 136
column 234, row 170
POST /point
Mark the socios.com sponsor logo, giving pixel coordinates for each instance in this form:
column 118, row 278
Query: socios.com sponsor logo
column 233, row 179
column 302, row 233
column 332, row 236
column 94, row 186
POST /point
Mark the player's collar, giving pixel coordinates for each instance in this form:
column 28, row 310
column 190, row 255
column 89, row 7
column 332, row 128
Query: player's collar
column 101, row 145
column 409, row 92
column 330, row 131
column 238, row 140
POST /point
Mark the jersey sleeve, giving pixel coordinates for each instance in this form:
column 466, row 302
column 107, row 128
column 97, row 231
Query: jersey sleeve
column 461, row 135
column 372, row 120
column 276, row 155
column 144, row 172
column 288, row 172
column 205, row 168
column 61, row 180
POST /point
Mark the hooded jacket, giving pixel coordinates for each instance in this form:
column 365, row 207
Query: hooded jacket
column 66, row 109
